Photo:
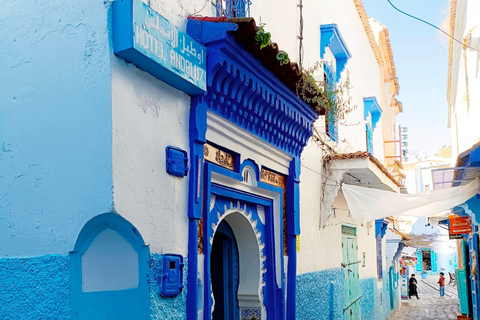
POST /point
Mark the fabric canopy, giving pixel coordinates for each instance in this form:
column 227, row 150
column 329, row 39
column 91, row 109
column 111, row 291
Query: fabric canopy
column 367, row 204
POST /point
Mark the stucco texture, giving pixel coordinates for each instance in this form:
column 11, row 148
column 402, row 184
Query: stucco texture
column 56, row 126
column 373, row 305
column 34, row 288
column 168, row 308
column 320, row 295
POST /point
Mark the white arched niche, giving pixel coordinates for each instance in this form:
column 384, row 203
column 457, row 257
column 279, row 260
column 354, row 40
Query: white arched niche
column 110, row 263
column 250, row 262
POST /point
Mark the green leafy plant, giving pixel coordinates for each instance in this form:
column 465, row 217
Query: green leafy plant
column 282, row 56
column 262, row 37
column 325, row 95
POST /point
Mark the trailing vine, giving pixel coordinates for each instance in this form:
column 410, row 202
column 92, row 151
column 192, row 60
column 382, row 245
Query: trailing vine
column 326, row 95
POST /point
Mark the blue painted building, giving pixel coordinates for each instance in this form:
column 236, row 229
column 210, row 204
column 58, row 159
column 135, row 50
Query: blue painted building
column 468, row 271
column 149, row 170
column 151, row 163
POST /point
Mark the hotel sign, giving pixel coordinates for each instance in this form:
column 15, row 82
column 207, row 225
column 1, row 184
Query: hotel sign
column 148, row 40
column 217, row 156
column 459, row 226
column 273, row 178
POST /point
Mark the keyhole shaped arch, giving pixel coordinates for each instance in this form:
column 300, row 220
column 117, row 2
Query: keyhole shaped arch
column 250, row 255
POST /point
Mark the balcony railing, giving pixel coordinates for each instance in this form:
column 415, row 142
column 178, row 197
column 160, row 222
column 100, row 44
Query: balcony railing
column 233, row 8
column 452, row 177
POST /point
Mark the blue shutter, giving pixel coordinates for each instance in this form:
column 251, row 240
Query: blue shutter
column 419, row 265
column 433, row 257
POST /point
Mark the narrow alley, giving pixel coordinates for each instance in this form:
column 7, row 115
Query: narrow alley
column 430, row 306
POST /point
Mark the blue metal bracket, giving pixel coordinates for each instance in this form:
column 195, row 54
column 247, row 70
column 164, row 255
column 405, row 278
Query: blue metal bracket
column 177, row 161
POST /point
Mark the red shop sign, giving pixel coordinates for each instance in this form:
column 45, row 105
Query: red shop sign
column 460, row 225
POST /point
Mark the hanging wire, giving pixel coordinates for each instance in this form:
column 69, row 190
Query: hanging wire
column 432, row 25
column 300, row 37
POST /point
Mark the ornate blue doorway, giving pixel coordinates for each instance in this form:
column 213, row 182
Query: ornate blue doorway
column 224, row 272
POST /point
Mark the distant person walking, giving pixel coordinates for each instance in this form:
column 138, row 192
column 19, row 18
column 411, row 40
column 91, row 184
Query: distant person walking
column 441, row 282
column 412, row 287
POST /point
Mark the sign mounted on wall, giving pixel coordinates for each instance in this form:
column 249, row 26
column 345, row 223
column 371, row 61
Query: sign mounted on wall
column 458, row 226
column 148, row 40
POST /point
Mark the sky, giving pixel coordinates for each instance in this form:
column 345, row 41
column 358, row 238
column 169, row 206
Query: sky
column 421, row 59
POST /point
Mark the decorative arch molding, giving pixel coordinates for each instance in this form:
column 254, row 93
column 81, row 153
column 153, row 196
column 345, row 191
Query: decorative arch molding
column 109, row 243
column 108, row 221
column 251, row 254
column 255, row 219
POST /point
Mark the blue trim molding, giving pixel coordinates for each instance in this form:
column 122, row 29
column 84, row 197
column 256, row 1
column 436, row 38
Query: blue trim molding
column 225, row 198
column 372, row 108
column 331, row 38
column 243, row 91
column 381, row 226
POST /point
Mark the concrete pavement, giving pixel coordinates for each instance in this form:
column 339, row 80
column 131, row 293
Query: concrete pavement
column 430, row 306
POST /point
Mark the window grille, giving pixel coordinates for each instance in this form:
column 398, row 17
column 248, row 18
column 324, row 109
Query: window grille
column 233, row 8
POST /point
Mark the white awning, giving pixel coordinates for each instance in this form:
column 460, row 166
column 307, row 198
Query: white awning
column 368, row 204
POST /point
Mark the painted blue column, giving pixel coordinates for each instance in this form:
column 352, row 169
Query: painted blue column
column 293, row 229
column 198, row 129
column 474, row 207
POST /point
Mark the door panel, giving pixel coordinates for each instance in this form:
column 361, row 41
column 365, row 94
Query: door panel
column 224, row 271
column 352, row 289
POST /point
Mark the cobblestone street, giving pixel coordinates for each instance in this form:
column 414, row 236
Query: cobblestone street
column 430, row 306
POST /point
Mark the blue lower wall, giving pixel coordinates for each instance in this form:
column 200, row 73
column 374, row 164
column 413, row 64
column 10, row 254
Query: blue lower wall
column 39, row 288
column 375, row 302
column 34, row 288
column 320, row 295
column 368, row 290
column 168, row 308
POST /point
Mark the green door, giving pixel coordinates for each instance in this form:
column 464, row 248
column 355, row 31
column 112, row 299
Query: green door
column 350, row 268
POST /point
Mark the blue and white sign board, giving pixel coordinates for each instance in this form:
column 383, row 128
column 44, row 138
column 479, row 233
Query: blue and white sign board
column 148, row 40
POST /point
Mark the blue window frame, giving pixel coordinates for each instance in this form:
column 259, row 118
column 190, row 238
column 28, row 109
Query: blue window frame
column 371, row 112
column 331, row 38
column 233, row 8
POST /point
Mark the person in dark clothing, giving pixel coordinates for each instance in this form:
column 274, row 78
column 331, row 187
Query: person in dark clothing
column 412, row 287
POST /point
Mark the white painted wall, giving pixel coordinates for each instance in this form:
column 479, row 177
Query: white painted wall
column 320, row 246
column 148, row 115
column 464, row 130
column 362, row 68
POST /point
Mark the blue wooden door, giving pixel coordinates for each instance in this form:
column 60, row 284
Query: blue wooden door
column 224, row 271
